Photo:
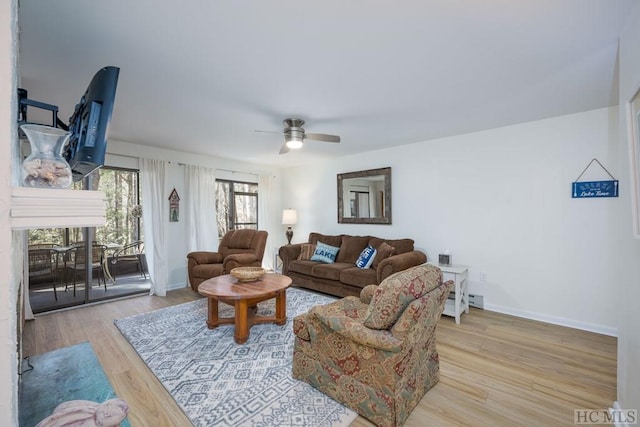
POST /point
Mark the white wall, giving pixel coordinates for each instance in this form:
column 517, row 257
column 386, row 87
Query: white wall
column 125, row 154
column 627, row 269
column 500, row 201
column 8, row 281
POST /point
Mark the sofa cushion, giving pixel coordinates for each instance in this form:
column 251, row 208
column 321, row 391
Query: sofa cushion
column 358, row 277
column 302, row 267
column 329, row 271
column 329, row 240
column 207, row 271
column 241, row 239
column 401, row 245
column 384, row 251
column 397, row 291
column 325, row 253
column 351, row 248
column 306, row 251
column 365, row 260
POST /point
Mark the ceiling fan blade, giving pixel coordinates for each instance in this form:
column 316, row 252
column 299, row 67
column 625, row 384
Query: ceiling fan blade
column 322, row 137
column 268, row 131
column 284, row 149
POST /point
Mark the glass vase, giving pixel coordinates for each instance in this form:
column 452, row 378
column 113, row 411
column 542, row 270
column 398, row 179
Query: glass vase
column 45, row 167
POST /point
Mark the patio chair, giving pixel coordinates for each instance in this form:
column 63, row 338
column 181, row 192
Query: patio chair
column 41, row 264
column 97, row 261
column 129, row 253
column 42, row 245
column 63, row 264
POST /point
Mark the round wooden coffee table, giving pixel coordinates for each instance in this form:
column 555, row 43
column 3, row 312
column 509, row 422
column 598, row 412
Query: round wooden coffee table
column 244, row 297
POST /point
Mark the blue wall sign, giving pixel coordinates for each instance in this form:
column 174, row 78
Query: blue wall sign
column 586, row 189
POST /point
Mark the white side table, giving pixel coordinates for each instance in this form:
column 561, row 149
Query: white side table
column 277, row 262
column 460, row 302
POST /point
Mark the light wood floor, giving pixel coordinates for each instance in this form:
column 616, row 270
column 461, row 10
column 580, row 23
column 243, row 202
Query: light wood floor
column 496, row 370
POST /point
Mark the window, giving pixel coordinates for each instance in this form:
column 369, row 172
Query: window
column 236, row 206
column 122, row 192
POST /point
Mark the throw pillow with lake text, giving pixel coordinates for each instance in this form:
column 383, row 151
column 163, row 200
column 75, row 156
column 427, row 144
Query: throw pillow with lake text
column 325, row 253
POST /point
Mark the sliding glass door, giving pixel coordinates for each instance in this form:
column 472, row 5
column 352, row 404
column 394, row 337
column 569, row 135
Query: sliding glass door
column 73, row 266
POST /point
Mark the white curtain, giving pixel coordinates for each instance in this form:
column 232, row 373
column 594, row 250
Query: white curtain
column 265, row 218
column 155, row 206
column 200, row 206
column 20, row 265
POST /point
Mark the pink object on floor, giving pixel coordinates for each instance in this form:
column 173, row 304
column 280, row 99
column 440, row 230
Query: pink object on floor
column 86, row 413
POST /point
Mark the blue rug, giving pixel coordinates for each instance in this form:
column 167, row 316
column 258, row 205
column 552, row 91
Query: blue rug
column 70, row 373
column 217, row 382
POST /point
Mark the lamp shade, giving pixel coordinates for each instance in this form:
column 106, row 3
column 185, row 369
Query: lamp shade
column 289, row 217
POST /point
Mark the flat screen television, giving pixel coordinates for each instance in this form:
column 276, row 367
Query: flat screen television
column 89, row 124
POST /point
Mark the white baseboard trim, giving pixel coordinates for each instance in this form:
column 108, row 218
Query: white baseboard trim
column 174, row 286
column 562, row 321
column 623, row 417
column 616, row 408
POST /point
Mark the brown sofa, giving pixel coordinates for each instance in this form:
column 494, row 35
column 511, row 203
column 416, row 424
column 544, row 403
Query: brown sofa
column 342, row 278
column 238, row 248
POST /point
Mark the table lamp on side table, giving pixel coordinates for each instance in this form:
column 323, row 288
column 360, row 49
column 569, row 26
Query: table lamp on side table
column 289, row 218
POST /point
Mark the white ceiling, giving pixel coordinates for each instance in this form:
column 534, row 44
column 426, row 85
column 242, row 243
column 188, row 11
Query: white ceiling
column 201, row 75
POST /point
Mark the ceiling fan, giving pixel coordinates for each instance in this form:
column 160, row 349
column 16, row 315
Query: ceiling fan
column 294, row 135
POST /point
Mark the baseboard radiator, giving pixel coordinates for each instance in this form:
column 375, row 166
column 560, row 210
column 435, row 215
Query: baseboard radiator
column 476, row 301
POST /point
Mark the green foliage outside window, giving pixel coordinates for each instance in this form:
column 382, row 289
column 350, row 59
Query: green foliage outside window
column 123, row 220
column 236, row 206
column 123, row 211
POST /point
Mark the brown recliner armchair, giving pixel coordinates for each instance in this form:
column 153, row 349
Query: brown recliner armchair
column 238, row 248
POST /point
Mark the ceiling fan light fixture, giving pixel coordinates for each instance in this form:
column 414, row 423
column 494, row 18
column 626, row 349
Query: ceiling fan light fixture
column 293, row 142
column 294, row 135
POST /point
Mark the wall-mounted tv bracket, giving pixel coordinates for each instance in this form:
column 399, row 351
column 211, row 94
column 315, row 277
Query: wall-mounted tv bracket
column 24, row 102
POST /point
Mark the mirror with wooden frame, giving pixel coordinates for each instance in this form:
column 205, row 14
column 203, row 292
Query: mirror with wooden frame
column 364, row 197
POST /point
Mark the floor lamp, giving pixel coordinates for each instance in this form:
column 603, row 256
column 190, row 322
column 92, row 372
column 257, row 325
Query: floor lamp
column 289, row 218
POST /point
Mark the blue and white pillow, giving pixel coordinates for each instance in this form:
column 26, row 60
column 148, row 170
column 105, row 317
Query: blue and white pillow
column 366, row 257
column 325, row 253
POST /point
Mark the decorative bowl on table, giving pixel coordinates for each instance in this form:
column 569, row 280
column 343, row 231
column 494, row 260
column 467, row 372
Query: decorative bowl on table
column 247, row 274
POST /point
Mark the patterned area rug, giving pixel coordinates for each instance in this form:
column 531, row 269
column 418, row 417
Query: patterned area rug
column 217, row 382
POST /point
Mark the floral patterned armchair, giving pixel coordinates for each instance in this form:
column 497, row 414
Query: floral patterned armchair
column 375, row 354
